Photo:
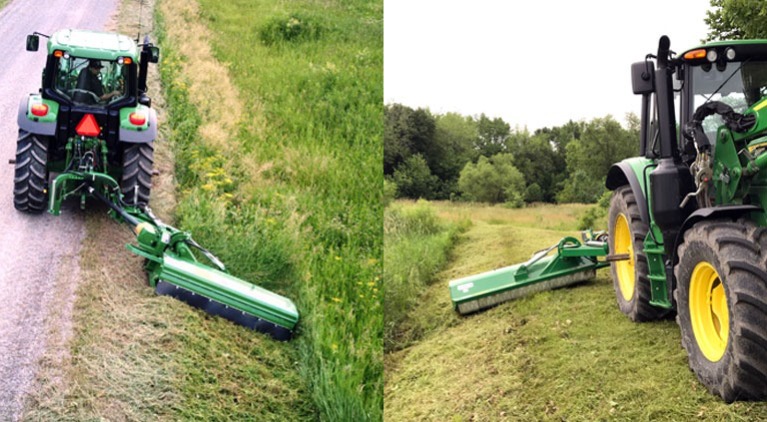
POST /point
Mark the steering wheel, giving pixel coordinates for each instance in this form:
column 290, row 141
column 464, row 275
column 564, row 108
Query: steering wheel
column 91, row 93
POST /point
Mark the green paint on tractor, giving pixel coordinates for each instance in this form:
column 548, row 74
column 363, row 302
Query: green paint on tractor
column 690, row 213
column 93, row 124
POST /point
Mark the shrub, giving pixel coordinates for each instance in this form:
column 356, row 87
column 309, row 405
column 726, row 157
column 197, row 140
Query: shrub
column 293, row 28
column 414, row 179
column 493, row 180
column 533, row 193
column 595, row 216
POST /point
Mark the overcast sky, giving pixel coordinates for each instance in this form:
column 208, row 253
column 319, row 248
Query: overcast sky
column 534, row 63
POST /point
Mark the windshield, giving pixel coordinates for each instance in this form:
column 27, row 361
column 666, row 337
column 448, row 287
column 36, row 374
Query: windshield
column 740, row 85
column 90, row 82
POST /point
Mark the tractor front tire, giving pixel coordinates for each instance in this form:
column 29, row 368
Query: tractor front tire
column 136, row 183
column 30, row 178
column 627, row 233
column 721, row 300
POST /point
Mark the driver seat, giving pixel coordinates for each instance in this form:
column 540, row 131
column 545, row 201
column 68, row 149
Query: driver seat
column 82, row 85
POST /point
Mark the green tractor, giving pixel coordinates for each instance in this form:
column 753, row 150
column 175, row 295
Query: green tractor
column 91, row 114
column 687, row 220
column 690, row 211
column 89, row 133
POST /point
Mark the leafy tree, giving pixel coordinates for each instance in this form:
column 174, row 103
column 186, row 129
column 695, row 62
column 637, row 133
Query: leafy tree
column 536, row 159
column 603, row 143
column 406, row 131
column 580, row 187
column 493, row 180
column 533, row 193
column 414, row 179
column 736, row 19
column 560, row 136
column 452, row 148
column 492, row 135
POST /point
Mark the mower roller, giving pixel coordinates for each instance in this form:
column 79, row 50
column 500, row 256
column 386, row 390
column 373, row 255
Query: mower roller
column 92, row 125
column 572, row 263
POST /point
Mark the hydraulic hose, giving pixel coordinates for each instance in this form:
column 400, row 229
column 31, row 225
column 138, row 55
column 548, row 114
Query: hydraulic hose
column 133, row 221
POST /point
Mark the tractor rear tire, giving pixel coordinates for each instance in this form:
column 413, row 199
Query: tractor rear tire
column 136, row 183
column 721, row 300
column 627, row 233
column 30, row 179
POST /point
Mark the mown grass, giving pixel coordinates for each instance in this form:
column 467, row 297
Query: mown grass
column 292, row 198
column 416, row 245
column 567, row 354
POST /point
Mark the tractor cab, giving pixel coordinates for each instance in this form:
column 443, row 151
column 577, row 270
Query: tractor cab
column 731, row 72
column 115, row 62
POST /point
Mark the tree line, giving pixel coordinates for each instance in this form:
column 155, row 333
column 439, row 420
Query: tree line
column 479, row 158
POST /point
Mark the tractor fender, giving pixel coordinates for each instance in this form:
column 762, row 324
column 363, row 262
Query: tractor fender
column 29, row 125
column 621, row 174
column 141, row 136
column 726, row 211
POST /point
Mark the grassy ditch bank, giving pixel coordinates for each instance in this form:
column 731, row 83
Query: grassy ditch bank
column 566, row 354
column 417, row 244
column 286, row 189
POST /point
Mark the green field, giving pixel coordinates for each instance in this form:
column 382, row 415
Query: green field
column 567, row 354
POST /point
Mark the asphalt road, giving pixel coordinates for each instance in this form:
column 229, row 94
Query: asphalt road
column 39, row 260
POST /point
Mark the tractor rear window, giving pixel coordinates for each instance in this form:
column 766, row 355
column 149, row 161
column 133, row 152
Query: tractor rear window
column 89, row 81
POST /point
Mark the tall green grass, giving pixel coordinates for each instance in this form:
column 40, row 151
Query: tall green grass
column 416, row 246
column 298, row 209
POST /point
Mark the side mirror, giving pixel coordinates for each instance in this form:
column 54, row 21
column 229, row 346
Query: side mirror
column 154, row 54
column 33, row 42
column 643, row 77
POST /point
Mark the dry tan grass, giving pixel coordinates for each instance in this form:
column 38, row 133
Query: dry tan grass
column 211, row 89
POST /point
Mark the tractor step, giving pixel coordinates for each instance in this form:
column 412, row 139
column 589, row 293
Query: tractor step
column 574, row 262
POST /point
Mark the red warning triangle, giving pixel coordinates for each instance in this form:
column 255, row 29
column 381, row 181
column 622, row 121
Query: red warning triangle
column 88, row 126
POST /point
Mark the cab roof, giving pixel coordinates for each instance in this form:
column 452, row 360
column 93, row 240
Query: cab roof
column 93, row 44
column 746, row 48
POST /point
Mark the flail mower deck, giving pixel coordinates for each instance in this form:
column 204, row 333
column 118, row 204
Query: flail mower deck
column 572, row 263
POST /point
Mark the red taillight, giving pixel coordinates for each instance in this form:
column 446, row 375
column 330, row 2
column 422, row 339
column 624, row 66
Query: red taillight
column 138, row 119
column 39, row 109
column 88, row 126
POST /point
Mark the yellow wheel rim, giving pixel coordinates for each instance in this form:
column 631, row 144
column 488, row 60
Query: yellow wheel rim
column 709, row 316
column 624, row 269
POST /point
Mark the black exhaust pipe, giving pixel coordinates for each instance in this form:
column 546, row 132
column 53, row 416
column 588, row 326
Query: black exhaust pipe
column 671, row 181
